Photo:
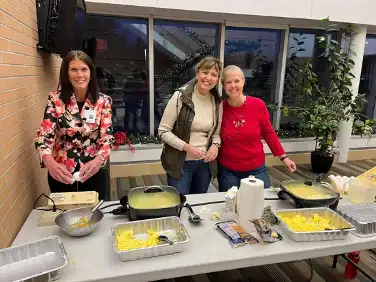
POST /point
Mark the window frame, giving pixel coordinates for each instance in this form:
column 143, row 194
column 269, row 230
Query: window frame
column 220, row 42
column 282, row 58
column 152, row 22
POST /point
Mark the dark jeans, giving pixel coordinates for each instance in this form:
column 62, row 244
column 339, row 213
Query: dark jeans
column 194, row 180
column 228, row 178
column 95, row 183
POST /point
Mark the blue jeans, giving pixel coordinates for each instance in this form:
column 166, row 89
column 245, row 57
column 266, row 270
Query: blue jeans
column 194, row 180
column 228, row 178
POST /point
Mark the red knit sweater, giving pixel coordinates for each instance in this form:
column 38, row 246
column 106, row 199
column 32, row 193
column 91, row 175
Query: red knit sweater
column 242, row 148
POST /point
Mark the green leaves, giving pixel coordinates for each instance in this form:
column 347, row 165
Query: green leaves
column 364, row 128
column 321, row 106
column 285, row 111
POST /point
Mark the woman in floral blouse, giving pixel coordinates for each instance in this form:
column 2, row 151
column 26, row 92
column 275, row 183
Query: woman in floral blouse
column 76, row 131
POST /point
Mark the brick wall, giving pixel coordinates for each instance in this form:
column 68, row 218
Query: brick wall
column 26, row 77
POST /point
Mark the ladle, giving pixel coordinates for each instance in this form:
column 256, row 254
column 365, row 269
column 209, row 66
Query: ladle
column 193, row 218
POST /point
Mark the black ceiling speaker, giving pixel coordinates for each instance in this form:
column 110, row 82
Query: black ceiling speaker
column 61, row 25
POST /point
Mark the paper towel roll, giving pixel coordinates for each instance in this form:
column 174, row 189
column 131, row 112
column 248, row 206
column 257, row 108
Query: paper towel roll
column 250, row 199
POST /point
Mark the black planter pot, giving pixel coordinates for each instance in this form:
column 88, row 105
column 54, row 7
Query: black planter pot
column 321, row 163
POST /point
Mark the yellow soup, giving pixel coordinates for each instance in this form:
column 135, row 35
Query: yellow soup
column 310, row 193
column 157, row 200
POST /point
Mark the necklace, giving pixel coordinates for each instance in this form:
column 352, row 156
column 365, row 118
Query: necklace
column 237, row 122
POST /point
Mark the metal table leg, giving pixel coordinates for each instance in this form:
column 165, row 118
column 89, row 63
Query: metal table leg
column 335, row 259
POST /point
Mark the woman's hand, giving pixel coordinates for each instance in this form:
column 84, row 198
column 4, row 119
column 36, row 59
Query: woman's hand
column 58, row 171
column 211, row 154
column 90, row 168
column 193, row 152
column 289, row 164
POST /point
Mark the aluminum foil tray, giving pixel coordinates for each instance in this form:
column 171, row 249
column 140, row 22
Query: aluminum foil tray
column 325, row 235
column 29, row 262
column 362, row 216
column 171, row 226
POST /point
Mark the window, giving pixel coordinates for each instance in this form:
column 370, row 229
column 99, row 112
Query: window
column 367, row 83
column 120, row 52
column 302, row 47
column 256, row 52
column 178, row 47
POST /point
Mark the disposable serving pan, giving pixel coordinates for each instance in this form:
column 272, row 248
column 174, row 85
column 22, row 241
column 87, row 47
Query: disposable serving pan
column 31, row 261
column 165, row 225
column 362, row 216
column 344, row 227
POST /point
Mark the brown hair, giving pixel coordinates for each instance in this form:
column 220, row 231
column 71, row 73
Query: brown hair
column 210, row 62
column 65, row 86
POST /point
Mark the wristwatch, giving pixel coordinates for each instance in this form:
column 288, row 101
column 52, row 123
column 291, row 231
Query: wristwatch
column 285, row 157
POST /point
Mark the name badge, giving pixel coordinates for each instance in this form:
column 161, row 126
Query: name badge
column 90, row 116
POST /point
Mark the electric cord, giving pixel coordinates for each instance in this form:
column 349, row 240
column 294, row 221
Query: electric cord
column 118, row 211
column 54, row 208
column 110, row 205
column 220, row 202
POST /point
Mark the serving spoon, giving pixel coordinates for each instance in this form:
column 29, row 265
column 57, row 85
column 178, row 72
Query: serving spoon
column 193, row 218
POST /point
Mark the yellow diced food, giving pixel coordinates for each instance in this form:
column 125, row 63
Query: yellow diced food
column 300, row 223
column 126, row 240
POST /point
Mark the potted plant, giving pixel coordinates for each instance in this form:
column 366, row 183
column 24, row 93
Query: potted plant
column 324, row 100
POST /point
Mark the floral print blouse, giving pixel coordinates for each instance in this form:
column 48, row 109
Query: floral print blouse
column 68, row 137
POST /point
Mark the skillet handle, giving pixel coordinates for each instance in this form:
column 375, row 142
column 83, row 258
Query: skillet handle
column 124, row 201
column 283, row 195
column 153, row 189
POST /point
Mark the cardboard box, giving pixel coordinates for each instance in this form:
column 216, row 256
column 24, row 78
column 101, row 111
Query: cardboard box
column 72, row 200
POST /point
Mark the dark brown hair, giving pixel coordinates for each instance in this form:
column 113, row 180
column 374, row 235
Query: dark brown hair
column 65, row 86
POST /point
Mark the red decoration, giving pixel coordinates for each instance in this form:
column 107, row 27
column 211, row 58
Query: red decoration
column 350, row 270
column 121, row 138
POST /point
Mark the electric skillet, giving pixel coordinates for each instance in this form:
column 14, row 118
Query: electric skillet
column 139, row 203
column 329, row 199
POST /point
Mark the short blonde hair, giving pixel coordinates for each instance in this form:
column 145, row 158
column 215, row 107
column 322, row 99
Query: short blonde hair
column 231, row 68
column 210, row 62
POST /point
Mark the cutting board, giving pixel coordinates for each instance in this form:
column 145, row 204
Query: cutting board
column 369, row 175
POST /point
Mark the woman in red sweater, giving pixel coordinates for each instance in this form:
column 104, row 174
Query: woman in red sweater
column 245, row 121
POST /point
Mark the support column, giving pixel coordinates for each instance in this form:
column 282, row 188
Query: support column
column 358, row 42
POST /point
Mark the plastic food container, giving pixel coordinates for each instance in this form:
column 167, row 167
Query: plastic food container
column 361, row 190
